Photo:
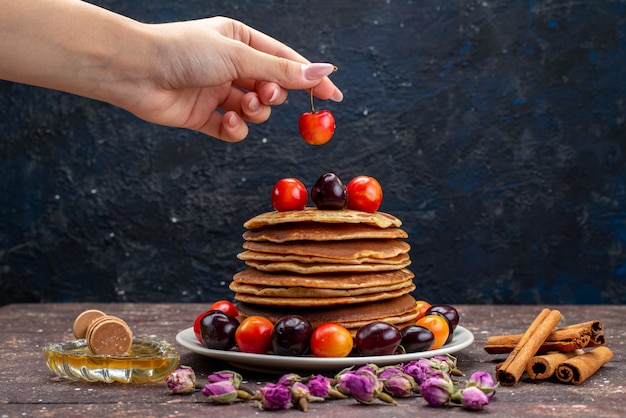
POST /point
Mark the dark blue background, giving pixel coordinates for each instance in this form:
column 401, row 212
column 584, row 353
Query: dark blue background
column 496, row 129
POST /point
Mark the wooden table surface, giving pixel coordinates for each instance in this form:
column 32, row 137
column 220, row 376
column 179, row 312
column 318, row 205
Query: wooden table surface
column 29, row 388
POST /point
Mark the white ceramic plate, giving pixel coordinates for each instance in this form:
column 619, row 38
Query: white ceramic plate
column 269, row 363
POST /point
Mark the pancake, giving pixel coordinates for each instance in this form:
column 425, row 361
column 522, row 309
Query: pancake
column 311, row 292
column 342, row 266
column 323, row 281
column 316, row 268
column 344, row 250
column 316, row 231
column 260, row 256
column 395, row 309
column 348, row 216
column 324, row 301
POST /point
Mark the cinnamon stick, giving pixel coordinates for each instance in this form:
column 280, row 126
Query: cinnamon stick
column 564, row 339
column 544, row 366
column 597, row 340
column 579, row 368
column 564, row 346
column 514, row 366
column 594, row 326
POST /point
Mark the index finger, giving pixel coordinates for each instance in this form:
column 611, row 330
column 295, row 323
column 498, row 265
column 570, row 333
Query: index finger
column 262, row 42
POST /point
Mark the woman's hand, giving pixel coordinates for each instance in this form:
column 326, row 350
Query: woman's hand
column 214, row 75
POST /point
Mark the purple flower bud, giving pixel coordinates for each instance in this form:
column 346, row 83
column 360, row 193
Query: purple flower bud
column 387, row 372
column 182, row 381
column 437, row 391
column 419, row 370
column 401, row 385
column 301, row 395
column 319, row 386
column 473, row 398
column 289, row 379
column 274, row 397
column 372, row 368
column 223, row 392
column 299, row 390
column 226, row 375
column 484, row 382
column 451, row 360
column 341, row 379
column 363, row 386
column 440, row 363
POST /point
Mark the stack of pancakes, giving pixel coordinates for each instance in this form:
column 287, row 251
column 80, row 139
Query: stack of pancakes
column 342, row 266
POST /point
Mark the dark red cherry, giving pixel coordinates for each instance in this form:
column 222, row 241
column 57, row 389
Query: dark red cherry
column 291, row 336
column 378, row 338
column 416, row 338
column 218, row 330
column 329, row 192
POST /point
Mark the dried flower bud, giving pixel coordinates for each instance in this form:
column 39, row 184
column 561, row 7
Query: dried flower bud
column 473, row 398
column 389, row 371
column 182, row 381
column 321, row 386
column 401, row 385
column 289, row 379
column 445, row 363
column 484, row 382
column 226, row 375
column 364, row 386
column 370, row 367
column 361, row 385
column 437, row 391
column 419, row 370
column 301, row 395
column 274, row 397
column 223, row 392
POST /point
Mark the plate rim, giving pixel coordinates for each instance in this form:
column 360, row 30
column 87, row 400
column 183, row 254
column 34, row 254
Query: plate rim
column 462, row 338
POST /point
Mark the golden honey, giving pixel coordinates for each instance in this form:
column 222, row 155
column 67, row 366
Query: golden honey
column 149, row 359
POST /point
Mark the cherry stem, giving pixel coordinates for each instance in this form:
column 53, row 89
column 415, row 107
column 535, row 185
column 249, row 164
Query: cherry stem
column 312, row 106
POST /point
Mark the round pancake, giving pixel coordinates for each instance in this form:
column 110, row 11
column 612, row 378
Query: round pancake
column 400, row 307
column 323, row 281
column 310, row 292
column 316, row 231
column 261, row 256
column 343, row 250
column 380, row 219
column 316, row 268
column 324, row 301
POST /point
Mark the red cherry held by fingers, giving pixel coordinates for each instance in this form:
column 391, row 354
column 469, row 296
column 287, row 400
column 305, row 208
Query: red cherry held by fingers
column 317, row 127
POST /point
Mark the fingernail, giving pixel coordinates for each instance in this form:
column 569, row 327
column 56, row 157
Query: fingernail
column 254, row 105
column 317, row 70
column 337, row 96
column 233, row 121
column 275, row 95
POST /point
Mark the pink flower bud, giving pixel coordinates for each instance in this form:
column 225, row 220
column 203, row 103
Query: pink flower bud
column 223, row 392
column 182, row 381
column 473, row 398
column 437, row 391
column 274, row 397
